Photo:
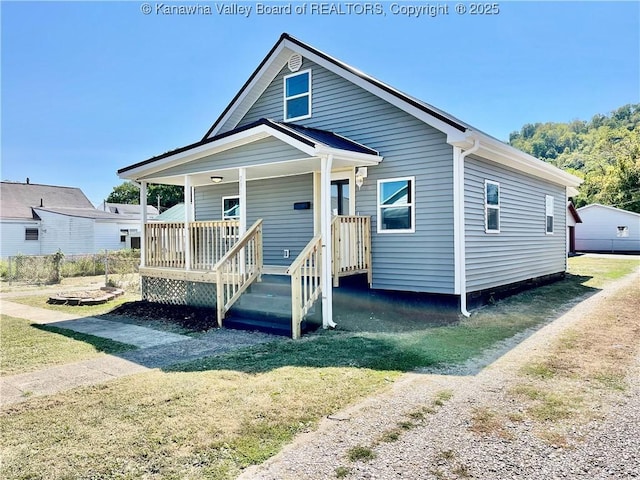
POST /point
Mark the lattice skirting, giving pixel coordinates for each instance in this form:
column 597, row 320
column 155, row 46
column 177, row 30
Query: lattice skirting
column 178, row 292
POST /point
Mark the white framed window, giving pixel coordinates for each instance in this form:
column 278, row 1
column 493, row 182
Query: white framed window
column 297, row 96
column 491, row 206
column 548, row 205
column 31, row 233
column 396, row 205
column 230, row 207
column 622, row 231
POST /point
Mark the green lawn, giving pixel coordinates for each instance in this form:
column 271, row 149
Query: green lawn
column 27, row 347
column 214, row 417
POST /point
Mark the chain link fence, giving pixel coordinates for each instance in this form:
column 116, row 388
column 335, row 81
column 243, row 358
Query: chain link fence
column 119, row 267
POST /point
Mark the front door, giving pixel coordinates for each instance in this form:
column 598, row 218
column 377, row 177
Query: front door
column 340, row 196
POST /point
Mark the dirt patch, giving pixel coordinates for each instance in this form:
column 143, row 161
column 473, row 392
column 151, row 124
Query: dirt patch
column 193, row 319
column 86, row 297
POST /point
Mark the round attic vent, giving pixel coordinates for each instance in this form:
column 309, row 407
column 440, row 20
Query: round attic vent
column 295, row 62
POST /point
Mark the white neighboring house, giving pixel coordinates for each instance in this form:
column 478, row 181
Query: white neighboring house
column 42, row 219
column 133, row 212
column 607, row 229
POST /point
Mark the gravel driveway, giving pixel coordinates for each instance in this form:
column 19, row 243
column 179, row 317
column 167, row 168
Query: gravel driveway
column 441, row 446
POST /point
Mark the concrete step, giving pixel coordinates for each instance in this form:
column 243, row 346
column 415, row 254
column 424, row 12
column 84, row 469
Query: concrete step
column 278, row 305
column 272, row 288
column 274, row 326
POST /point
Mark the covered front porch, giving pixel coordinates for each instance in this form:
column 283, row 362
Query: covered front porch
column 240, row 191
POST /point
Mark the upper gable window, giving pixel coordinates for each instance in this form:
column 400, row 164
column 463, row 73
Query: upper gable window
column 297, row 96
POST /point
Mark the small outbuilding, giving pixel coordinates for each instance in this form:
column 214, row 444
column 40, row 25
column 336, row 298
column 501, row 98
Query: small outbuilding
column 607, row 229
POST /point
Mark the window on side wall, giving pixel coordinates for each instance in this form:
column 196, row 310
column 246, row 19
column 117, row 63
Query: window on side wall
column 622, row 231
column 396, row 207
column 491, row 206
column 549, row 213
column 297, row 96
column 31, row 234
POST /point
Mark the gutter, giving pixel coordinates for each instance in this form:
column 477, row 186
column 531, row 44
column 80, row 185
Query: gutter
column 459, row 221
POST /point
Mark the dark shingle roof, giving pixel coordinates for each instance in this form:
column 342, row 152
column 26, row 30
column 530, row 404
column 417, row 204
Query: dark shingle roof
column 329, row 139
column 16, row 199
column 83, row 213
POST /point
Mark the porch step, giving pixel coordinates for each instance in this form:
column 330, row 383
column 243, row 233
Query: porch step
column 265, row 307
column 253, row 323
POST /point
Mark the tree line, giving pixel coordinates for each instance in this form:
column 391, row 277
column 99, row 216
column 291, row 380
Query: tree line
column 604, row 151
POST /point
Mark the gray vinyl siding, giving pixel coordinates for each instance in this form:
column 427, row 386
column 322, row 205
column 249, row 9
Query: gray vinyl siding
column 272, row 200
column 522, row 250
column 263, row 151
column 422, row 261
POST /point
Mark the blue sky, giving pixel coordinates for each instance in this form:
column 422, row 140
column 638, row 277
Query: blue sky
column 90, row 87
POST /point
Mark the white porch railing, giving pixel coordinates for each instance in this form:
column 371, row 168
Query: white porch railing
column 238, row 268
column 351, row 236
column 305, row 274
column 165, row 243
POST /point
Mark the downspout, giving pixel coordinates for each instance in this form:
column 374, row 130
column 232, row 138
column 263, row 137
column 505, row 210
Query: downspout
column 459, row 224
column 326, row 163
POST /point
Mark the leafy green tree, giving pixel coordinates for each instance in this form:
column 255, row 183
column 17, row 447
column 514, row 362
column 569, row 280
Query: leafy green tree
column 129, row 193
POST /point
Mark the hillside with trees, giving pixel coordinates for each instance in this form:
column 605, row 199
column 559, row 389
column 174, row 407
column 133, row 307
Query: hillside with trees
column 604, row 151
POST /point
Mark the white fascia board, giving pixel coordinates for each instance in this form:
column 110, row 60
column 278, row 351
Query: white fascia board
column 249, row 90
column 232, row 141
column 504, row 154
column 572, row 192
column 511, row 157
column 365, row 159
column 375, row 90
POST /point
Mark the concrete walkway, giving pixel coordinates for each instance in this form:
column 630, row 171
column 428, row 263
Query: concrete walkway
column 140, row 337
column 156, row 349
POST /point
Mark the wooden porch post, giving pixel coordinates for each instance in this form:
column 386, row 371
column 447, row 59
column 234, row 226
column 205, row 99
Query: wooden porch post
column 325, row 225
column 187, row 221
column 143, row 224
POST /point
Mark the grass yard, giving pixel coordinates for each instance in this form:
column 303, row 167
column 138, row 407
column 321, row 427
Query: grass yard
column 214, row 417
column 27, row 347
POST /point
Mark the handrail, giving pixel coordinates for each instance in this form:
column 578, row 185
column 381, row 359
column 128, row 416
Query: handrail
column 306, row 287
column 237, row 269
column 301, row 256
column 351, row 254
